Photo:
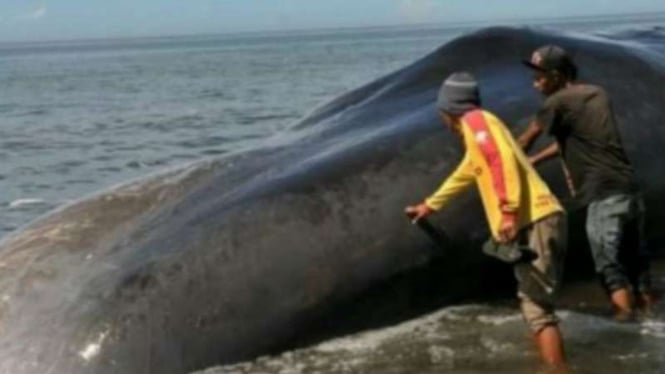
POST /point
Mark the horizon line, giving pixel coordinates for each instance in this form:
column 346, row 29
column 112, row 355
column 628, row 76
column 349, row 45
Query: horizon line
column 524, row 21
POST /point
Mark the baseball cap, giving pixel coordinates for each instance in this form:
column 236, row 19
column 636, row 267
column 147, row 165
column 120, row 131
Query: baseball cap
column 552, row 58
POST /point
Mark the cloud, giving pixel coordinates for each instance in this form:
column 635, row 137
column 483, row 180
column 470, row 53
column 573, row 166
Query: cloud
column 417, row 10
column 38, row 12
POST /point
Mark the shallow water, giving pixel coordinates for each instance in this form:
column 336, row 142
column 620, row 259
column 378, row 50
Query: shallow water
column 472, row 339
column 488, row 338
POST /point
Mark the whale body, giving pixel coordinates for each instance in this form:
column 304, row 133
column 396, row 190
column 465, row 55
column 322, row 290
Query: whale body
column 230, row 258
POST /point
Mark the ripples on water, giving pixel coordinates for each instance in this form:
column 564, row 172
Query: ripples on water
column 474, row 339
column 485, row 338
column 78, row 117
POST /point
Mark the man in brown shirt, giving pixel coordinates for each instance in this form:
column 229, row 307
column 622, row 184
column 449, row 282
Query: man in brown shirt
column 581, row 120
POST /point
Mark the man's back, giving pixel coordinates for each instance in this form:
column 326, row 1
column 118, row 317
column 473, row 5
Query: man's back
column 505, row 178
column 581, row 118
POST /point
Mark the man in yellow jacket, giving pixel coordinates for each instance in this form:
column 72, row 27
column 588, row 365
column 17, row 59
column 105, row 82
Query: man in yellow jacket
column 518, row 204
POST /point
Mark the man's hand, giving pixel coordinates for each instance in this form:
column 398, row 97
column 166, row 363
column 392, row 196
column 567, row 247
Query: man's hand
column 550, row 151
column 531, row 133
column 416, row 212
column 508, row 227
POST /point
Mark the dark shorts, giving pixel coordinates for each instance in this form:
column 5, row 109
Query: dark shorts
column 615, row 228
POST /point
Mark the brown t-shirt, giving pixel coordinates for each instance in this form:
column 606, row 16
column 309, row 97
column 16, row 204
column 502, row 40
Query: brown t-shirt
column 581, row 119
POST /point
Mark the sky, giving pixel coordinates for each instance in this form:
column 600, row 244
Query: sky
column 42, row 20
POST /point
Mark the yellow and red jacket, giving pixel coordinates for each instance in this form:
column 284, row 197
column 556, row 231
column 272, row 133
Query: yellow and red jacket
column 505, row 178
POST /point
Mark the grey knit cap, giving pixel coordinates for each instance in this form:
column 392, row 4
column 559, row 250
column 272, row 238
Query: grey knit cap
column 459, row 94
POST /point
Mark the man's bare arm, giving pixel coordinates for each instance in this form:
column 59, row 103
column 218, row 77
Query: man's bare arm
column 550, row 151
column 531, row 133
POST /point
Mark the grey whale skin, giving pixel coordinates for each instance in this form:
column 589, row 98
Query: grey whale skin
column 234, row 257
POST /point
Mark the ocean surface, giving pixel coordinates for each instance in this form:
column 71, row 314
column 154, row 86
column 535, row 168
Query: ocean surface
column 80, row 116
column 77, row 117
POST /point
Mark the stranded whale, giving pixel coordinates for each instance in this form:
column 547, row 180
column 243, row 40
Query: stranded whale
column 229, row 258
